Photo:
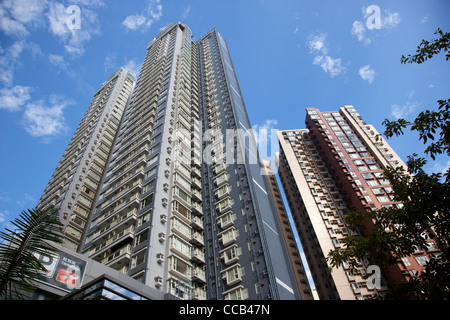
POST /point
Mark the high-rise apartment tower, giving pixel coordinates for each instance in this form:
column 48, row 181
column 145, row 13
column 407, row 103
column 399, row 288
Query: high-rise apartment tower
column 179, row 208
column 334, row 166
column 73, row 187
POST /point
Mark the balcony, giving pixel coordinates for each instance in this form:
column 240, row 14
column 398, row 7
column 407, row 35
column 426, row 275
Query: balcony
column 196, row 207
column 180, row 268
column 198, row 274
column 197, row 195
column 115, row 237
column 196, row 183
column 198, row 255
column 232, row 275
column 199, row 293
column 197, row 223
column 197, row 238
column 119, row 258
column 135, row 185
column 226, row 219
column 127, row 218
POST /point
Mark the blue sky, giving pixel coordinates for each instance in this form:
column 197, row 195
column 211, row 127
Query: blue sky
column 288, row 55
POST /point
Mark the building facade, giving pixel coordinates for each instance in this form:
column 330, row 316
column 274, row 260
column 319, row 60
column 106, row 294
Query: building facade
column 295, row 259
column 334, row 166
column 73, row 187
column 176, row 210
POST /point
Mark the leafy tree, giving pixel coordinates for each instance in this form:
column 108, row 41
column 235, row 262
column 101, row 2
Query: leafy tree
column 18, row 264
column 396, row 232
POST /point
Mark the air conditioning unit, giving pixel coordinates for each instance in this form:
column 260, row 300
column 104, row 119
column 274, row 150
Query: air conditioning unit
column 158, row 281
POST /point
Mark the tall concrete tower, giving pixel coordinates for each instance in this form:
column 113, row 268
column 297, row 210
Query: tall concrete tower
column 184, row 206
column 73, row 187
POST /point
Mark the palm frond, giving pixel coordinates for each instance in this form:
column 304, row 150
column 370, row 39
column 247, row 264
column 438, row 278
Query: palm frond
column 19, row 267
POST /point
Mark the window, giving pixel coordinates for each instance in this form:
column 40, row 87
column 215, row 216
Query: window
column 231, row 254
column 372, row 183
column 147, row 201
column 138, row 259
column 422, row 260
column 383, row 199
column 141, row 237
column 377, row 191
column 152, row 161
column 85, row 201
column 183, row 195
column 229, row 236
column 182, row 181
column 179, row 266
column 143, row 219
column 180, row 246
column 227, row 219
column 405, row 261
column 234, row 275
column 180, row 227
column 181, row 209
column 238, row 294
column 225, row 204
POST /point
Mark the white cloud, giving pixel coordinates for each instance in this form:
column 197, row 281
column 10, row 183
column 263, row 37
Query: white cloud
column 58, row 61
column 359, row 30
column 330, row 65
column 12, row 99
column 405, row 110
column 425, row 18
column 45, row 122
column 26, row 200
column 133, row 66
column 367, row 74
column 4, row 196
column 296, row 30
column 8, row 61
column 18, row 15
column 186, row 12
column 143, row 21
column 440, row 167
column 110, row 62
column 316, row 43
column 390, row 19
column 74, row 38
column 3, row 214
column 134, row 22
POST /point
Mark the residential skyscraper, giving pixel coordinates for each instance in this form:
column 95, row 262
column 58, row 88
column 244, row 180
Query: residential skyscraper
column 245, row 252
column 73, row 187
column 334, row 166
column 179, row 208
